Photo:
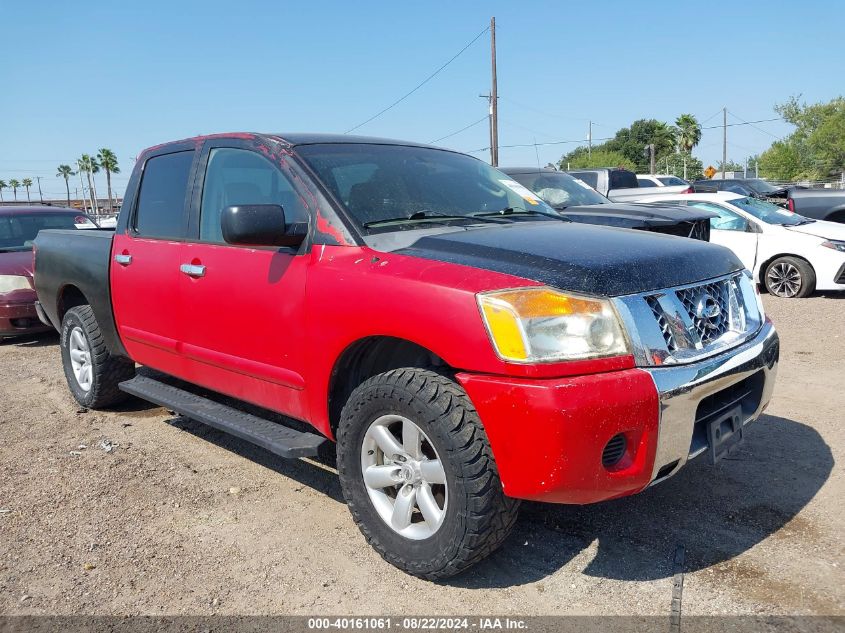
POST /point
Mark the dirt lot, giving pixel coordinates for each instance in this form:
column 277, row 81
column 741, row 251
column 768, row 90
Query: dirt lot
column 135, row 512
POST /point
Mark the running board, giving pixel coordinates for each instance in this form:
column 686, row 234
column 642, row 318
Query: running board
column 276, row 438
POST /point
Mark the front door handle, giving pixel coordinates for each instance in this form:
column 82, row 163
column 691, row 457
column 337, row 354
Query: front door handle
column 123, row 259
column 193, row 270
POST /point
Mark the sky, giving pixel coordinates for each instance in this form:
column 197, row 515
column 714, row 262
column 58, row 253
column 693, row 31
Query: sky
column 75, row 77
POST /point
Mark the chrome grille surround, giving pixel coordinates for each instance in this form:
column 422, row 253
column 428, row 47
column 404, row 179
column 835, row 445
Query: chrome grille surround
column 691, row 322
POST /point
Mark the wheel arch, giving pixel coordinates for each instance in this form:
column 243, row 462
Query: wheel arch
column 70, row 296
column 368, row 357
column 837, row 215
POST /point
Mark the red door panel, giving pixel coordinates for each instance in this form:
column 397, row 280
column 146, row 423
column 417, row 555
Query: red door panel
column 145, row 295
column 244, row 323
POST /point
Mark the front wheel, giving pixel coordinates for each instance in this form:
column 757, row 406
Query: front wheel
column 790, row 277
column 418, row 474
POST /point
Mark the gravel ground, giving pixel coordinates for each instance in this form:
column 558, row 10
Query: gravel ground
column 137, row 512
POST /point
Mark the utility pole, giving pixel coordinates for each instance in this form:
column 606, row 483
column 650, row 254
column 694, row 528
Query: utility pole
column 40, row 195
column 494, row 99
column 685, row 167
column 652, row 166
column 724, row 140
column 590, row 138
column 745, row 169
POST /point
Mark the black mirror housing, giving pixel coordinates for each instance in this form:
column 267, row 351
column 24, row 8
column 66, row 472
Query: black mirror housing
column 259, row 225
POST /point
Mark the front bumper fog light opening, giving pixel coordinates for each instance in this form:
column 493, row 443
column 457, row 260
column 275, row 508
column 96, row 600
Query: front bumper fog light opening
column 614, row 451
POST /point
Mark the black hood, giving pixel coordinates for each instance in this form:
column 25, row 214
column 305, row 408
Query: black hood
column 581, row 258
column 636, row 216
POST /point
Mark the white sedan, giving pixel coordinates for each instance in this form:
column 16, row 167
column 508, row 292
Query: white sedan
column 788, row 253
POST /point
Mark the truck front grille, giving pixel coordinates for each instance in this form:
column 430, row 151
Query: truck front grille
column 686, row 323
column 708, row 309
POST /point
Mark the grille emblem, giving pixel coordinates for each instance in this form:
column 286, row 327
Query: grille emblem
column 708, row 310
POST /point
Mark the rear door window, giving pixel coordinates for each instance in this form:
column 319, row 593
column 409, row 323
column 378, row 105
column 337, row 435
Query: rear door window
column 163, row 194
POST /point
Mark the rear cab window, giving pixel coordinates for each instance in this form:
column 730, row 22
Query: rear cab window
column 160, row 212
column 622, row 179
column 589, row 177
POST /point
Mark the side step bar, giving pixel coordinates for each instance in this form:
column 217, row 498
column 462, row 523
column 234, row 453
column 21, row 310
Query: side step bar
column 276, row 438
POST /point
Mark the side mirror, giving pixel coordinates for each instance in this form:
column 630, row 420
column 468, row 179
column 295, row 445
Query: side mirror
column 259, row 225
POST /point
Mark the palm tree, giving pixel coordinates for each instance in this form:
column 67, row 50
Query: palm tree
column 89, row 167
column 66, row 172
column 27, row 182
column 689, row 132
column 3, row 185
column 108, row 160
column 14, row 184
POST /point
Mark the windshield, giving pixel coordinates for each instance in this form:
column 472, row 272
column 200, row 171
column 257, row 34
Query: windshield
column 757, row 185
column 672, row 181
column 560, row 190
column 395, row 187
column 768, row 212
column 18, row 231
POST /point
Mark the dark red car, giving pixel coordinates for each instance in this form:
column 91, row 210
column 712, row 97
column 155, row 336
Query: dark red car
column 18, row 228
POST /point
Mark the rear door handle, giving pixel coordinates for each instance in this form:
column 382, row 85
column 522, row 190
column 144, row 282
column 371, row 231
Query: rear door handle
column 193, row 270
column 123, row 260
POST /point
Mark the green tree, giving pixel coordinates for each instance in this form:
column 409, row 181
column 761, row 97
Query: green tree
column 582, row 159
column 688, row 132
column 815, row 149
column 732, row 165
column 633, row 141
column 14, row 184
column 3, row 185
column 683, row 165
column 64, row 171
column 108, row 161
column 27, row 183
column 89, row 167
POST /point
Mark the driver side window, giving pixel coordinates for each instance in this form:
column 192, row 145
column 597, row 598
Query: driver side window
column 727, row 220
column 241, row 177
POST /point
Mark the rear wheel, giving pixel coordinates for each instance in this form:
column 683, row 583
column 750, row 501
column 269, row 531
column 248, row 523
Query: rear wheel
column 92, row 372
column 418, row 474
column 790, row 277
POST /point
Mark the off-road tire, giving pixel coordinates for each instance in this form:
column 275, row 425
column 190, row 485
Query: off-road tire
column 108, row 370
column 805, row 270
column 478, row 515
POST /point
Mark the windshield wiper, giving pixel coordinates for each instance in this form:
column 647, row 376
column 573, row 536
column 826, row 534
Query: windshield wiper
column 508, row 211
column 425, row 216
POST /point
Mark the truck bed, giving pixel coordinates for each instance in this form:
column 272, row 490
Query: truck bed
column 819, row 204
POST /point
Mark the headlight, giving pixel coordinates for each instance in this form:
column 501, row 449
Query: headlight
column 8, row 283
column 533, row 325
column 835, row 245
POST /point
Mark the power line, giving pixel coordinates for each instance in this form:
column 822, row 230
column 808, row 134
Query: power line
column 421, row 84
column 710, row 118
column 754, row 126
column 437, row 140
column 580, row 140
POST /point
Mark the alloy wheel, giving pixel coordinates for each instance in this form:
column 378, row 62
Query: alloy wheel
column 404, row 477
column 80, row 359
column 784, row 280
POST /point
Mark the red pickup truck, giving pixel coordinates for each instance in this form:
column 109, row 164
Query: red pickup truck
column 464, row 345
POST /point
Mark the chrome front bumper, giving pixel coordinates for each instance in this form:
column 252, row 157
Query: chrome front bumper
column 682, row 388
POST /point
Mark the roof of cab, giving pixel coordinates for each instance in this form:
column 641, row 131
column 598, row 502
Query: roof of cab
column 309, row 138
